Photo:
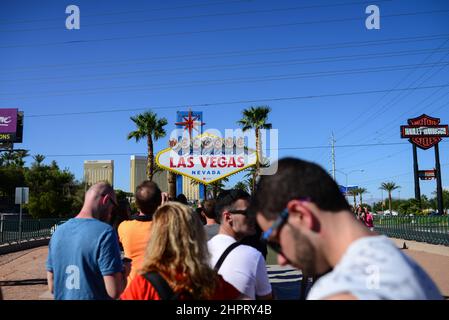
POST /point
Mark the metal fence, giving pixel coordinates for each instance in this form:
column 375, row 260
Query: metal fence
column 434, row 230
column 10, row 231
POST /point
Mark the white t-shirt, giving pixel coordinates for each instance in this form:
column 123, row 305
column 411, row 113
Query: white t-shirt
column 373, row 268
column 244, row 267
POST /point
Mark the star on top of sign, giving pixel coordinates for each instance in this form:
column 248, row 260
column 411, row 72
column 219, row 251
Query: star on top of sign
column 190, row 123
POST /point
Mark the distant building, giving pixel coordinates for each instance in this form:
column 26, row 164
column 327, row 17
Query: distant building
column 98, row 170
column 138, row 174
column 138, row 166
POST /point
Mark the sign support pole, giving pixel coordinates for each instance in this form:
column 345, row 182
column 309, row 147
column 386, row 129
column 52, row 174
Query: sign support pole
column 415, row 171
column 438, row 176
column 20, row 224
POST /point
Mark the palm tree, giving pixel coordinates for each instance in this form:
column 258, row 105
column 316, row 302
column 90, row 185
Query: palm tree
column 389, row 187
column 148, row 126
column 215, row 187
column 256, row 118
column 354, row 193
column 241, row 186
column 361, row 191
column 39, row 158
column 14, row 158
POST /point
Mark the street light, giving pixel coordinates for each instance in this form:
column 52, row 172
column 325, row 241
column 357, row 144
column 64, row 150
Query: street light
column 347, row 174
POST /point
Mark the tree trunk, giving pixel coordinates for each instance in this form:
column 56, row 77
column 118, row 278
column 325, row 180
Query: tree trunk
column 150, row 160
column 389, row 200
column 171, row 185
column 355, row 201
column 215, row 191
column 361, row 202
column 205, row 192
column 256, row 173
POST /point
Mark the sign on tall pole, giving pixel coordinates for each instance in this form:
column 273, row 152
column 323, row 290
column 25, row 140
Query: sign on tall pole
column 426, row 132
column 22, row 197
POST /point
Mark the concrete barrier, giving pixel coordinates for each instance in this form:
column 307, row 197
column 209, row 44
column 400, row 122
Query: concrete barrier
column 29, row 244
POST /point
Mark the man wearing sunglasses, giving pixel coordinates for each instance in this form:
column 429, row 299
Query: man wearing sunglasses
column 84, row 260
column 308, row 221
column 243, row 266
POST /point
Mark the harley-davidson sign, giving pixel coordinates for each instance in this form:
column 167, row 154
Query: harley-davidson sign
column 207, row 158
column 424, row 131
column 427, row 174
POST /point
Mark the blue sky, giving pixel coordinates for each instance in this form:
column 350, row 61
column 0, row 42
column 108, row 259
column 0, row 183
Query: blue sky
column 164, row 54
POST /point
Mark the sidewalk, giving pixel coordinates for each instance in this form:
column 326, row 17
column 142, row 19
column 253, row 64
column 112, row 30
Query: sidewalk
column 23, row 275
column 433, row 258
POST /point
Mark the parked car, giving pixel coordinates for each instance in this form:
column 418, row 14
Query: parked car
column 392, row 213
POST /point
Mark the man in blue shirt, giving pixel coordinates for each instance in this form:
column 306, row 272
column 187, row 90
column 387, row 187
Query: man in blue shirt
column 84, row 260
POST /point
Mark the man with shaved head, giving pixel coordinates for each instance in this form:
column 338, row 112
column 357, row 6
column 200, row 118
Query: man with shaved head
column 84, row 256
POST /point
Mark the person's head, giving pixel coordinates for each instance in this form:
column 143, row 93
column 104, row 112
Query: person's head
column 181, row 198
column 148, row 197
column 99, row 202
column 121, row 213
column 208, row 210
column 178, row 249
column 292, row 206
column 231, row 210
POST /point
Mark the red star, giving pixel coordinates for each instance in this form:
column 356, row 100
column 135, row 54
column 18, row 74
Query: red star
column 189, row 123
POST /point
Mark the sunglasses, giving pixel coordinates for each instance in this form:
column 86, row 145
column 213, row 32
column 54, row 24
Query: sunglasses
column 243, row 212
column 276, row 226
column 115, row 204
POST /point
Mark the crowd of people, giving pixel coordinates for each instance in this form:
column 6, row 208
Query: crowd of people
column 170, row 251
column 363, row 215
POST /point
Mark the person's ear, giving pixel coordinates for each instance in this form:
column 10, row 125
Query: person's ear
column 104, row 199
column 227, row 217
column 303, row 214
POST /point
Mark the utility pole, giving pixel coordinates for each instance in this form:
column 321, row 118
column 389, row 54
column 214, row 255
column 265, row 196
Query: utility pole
column 333, row 155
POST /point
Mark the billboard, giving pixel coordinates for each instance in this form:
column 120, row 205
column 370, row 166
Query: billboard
column 8, row 120
column 11, row 125
column 208, row 158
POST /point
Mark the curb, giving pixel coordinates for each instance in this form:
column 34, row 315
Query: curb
column 14, row 247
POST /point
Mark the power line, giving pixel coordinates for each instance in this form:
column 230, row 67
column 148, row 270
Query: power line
column 171, row 85
column 281, row 148
column 209, row 15
column 403, row 94
column 221, row 54
column 378, row 111
column 183, row 33
column 212, row 104
column 246, row 65
column 207, row 4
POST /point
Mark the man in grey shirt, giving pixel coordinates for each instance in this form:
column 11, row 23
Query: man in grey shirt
column 208, row 212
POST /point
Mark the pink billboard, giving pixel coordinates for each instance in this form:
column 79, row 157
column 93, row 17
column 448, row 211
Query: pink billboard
column 8, row 120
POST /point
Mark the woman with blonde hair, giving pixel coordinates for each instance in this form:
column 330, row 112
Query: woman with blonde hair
column 176, row 264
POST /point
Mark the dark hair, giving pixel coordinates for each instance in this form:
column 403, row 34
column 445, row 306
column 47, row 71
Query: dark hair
column 208, row 207
column 296, row 179
column 121, row 213
column 226, row 200
column 148, row 197
column 182, row 199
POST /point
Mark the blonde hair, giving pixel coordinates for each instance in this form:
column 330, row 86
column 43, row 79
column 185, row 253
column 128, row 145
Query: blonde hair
column 177, row 249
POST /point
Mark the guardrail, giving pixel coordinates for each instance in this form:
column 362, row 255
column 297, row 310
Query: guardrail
column 434, row 230
column 10, row 231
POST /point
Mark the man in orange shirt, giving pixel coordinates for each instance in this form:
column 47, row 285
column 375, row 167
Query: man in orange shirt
column 135, row 233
